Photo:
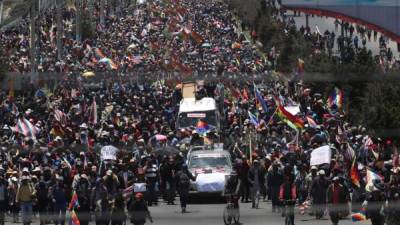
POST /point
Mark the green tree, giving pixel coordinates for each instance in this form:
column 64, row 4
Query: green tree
column 380, row 107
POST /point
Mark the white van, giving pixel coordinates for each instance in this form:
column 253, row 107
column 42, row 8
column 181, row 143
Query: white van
column 192, row 110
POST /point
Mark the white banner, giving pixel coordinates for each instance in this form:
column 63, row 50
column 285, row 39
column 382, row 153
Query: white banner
column 212, row 182
column 293, row 109
column 109, row 153
column 321, row 155
column 139, row 187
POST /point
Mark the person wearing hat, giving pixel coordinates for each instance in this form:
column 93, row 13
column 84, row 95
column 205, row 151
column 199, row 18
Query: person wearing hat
column 26, row 194
column 3, row 197
column 111, row 182
column 256, row 181
column 337, row 200
column 318, row 196
column 196, row 140
column 275, row 179
column 139, row 211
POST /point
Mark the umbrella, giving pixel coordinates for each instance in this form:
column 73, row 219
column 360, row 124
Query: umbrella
column 104, row 60
column 206, row 45
column 88, row 74
column 132, row 46
column 166, row 151
column 185, row 141
column 160, row 137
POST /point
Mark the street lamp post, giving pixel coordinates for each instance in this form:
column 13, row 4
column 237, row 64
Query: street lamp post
column 60, row 4
column 78, row 7
column 1, row 10
column 33, row 56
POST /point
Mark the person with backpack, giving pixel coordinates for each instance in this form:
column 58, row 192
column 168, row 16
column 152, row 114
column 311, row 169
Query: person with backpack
column 183, row 184
column 26, row 195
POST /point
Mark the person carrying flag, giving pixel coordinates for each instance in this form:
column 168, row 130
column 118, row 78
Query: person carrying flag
column 374, row 202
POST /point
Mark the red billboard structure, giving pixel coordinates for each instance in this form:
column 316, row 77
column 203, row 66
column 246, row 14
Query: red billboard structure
column 379, row 15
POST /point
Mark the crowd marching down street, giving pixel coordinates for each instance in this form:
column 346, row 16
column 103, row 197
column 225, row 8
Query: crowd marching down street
column 114, row 148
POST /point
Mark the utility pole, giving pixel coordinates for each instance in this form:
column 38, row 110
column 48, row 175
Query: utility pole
column 1, row 10
column 60, row 5
column 111, row 7
column 78, row 19
column 118, row 7
column 33, row 12
column 102, row 6
column 91, row 9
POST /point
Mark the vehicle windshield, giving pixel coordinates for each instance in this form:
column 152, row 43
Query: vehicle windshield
column 211, row 162
column 190, row 119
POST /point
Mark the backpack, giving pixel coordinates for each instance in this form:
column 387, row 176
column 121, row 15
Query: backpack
column 184, row 181
column 231, row 186
column 42, row 191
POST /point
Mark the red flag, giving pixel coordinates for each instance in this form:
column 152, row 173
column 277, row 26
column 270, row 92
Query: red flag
column 236, row 93
column 74, row 203
column 181, row 11
column 74, row 219
column 197, row 37
column 93, row 112
column 184, row 32
column 154, row 46
column 60, row 117
column 245, row 94
column 185, row 69
column 354, row 174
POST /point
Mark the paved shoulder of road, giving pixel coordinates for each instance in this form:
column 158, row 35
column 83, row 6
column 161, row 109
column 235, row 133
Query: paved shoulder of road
column 211, row 214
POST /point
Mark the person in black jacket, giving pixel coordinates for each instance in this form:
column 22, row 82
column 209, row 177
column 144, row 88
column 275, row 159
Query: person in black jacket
column 183, row 185
column 275, row 180
column 3, row 198
column 139, row 211
column 118, row 215
column 256, row 181
column 42, row 200
column 374, row 202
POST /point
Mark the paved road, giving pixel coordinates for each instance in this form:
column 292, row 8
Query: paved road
column 211, row 214
column 325, row 23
